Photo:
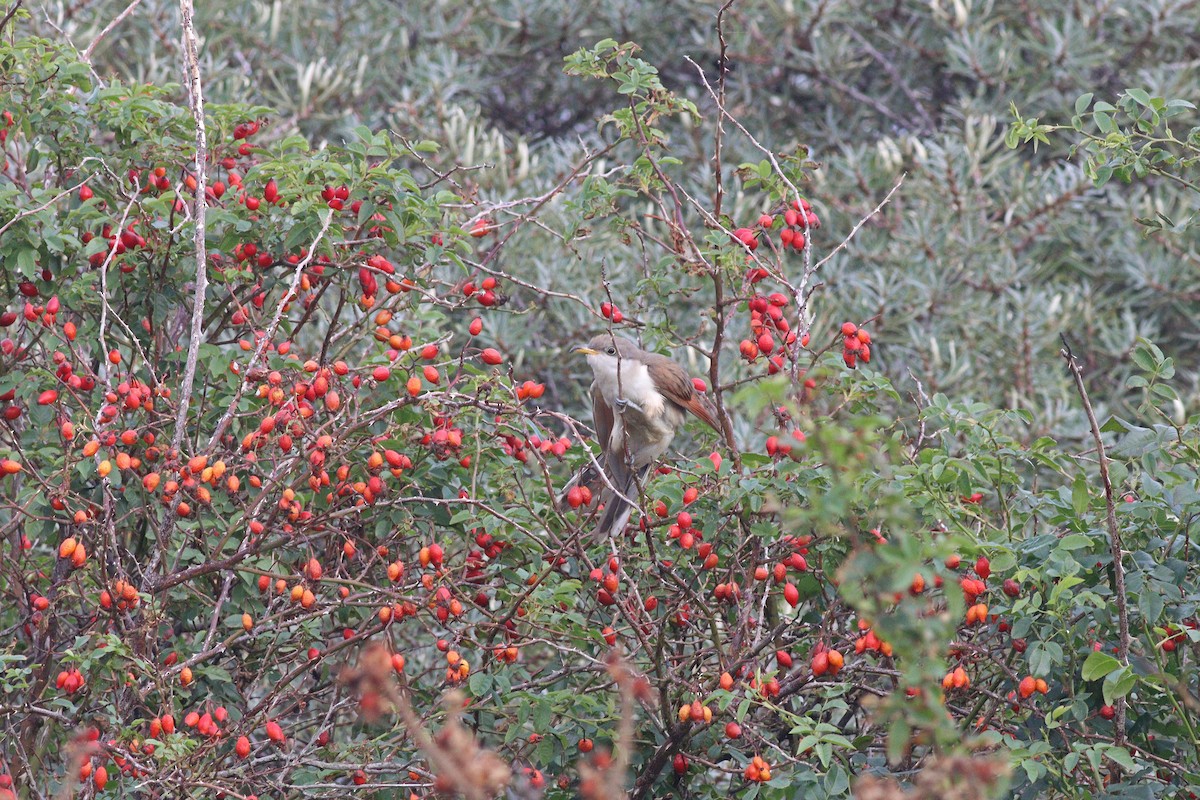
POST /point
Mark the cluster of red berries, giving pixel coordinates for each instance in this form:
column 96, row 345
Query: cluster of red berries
column 869, row 642
column 1174, row 636
column 46, row 313
column 609, row 579
column 445, row 441
column 956, row 678
column 796, row 220
column 530, row 390
column 486, row 293
column 70, row 680
column 579, row 496
column 782, row 446
column 757, row 770
column 1030, row 684
column 206, row 724
column 335, row 196
column 856, row 345
column 118, row 244
column 516, row 447
column 124, row 596
column 244, row 130
column 366, row 276
column 768, row 321
column 609, row 311
column 7, row 118
column 827, row 662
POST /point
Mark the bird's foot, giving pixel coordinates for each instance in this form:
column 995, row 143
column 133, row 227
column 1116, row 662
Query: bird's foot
column 623, row 404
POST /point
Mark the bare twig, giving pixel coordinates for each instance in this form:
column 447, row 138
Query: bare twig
column 757, row 145
column 117, row 20
column 196, row 99
column 842, row 244
column 11, row 12
column 1114, row 535
column 722, row 72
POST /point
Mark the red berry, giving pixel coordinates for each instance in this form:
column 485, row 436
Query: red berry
column 983, row 567
column 242, row 748
column 746, row 237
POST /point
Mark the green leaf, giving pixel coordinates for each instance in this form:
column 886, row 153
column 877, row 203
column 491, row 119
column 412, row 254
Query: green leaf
column 1139, row 96
column 1098, row 665
column 541, row 715
column 1079, row 494
column 1075, row 541
column 1144, row 359
column 1082, row 102
column 1114, row 425
column 897, row 741
column 1118, row 684
column 480, row 683
column 1121, row 756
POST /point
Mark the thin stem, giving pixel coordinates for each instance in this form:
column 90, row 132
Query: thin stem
column 1114, row 535
column 196, row 100
column 117, row 20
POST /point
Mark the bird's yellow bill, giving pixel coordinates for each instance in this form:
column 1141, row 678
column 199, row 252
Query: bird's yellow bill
column 585, row 351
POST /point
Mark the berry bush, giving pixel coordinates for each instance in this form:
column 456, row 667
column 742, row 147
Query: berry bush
column 286, row 424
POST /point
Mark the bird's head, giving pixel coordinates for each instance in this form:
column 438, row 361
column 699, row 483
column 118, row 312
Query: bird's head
column 605, row 351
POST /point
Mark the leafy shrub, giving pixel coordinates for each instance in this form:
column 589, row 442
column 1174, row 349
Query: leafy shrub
column 850, row 585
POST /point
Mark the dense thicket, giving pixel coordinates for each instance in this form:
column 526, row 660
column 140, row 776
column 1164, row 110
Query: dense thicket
column 281, row 496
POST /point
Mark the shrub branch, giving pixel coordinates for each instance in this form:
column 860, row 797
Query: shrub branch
column 1114, row 534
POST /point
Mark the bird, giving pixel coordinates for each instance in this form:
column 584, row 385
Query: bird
column 639, row 400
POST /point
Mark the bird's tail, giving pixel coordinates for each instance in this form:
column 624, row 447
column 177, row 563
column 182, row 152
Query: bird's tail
column 617, row 509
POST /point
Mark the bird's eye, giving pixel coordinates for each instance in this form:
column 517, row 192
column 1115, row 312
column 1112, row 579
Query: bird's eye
column 612, row 351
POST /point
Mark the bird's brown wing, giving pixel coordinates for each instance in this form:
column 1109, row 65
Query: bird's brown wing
column 675, row 384
column 602, row 417
column 616, row 471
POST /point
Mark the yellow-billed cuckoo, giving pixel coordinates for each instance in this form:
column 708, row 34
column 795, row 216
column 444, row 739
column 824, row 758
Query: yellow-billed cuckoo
column 639, row 400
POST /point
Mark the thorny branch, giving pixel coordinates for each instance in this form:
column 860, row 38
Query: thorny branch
column 1114, row 534
column 196, row 100
column 117, row 20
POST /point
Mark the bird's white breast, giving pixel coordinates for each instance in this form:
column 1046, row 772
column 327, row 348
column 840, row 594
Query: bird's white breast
column 650, row 421
column 627, row 379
